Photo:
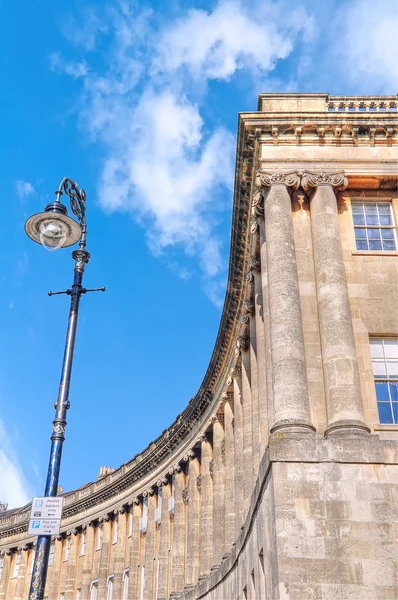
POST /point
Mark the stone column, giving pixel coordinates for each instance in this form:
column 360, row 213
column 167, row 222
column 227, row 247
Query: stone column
column 88, row 560
column 269, row 417
column 56, row 568
column 206, row 508
column 164, row 542
column 178, row 550
column 103, row 571
column 340, row 364
column 258, row 316
column 192, row 563
column 248, row 316
column 21, row 572
column 228, row 455
column 150, row 546
column 71, row 567
column 135, row 544
column 6, row 556
column 237, row 426
column 247, row 418
column 218, row 491
column 120, row 515
column 290, row 389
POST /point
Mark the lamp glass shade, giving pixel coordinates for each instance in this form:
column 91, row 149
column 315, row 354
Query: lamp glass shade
column 53, row 230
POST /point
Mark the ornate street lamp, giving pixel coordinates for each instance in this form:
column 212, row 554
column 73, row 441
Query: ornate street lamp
column 54, row 229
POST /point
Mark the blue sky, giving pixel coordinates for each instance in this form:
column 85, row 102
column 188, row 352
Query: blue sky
column 138, row 103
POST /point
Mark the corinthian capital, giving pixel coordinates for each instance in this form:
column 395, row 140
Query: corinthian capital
column 264, row 179
column 310, row 180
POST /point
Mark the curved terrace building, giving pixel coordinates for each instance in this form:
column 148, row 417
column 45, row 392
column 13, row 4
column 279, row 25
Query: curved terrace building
column 279, row 479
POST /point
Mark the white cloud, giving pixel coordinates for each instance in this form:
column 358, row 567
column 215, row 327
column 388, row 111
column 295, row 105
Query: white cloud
column 369, row 45
column 214, row 45
column 74, row 69
column 24, row 189
column 13, row 485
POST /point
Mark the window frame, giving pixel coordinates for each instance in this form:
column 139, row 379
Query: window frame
column 391, row 380
column 379, row 227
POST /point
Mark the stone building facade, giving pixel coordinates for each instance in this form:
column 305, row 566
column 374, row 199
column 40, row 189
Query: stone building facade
column 279, row 479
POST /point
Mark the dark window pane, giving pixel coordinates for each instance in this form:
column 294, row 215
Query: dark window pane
column 387, row 234
column 374, row 234
column 394, row 391
column 382, row 392
column 385, row 415
column 362, row 245
column 395, row 411
column 385, row 220
column 389, row 245
column 360, row 233
column 374, row 245
column 359, row 218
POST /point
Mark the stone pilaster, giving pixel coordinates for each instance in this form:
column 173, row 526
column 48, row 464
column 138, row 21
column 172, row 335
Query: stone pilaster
column 56, row 568
column 192, row 563
column 206, row 509
column 164, row 542
column 290, row 389
column 150, row 547
column 229, row 464
column 88, row 560
column 248, row 307
column 340, row 364
column 71, row 566
column 21, row 573
column 104, row 558
column 5, row 575
column 218, row 491
column 135, row 546
column 178, row 548
column 119, row 553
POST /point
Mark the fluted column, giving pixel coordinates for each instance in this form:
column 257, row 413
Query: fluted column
column 290, row 389
column 218, row 491
column 164, row 542
column 206, row 509
column 5, row 575
column 178, row 551
column 135, row 544
column 340, row 364
column 119, row 553
column 104, row 558
column 150, row 546
column 71, row 567
column 21, row 573
column 248, row 310
column 88, row 560
column 192, row 563
column 229, row 465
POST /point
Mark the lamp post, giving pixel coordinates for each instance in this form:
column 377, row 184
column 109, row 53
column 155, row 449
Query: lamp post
column 54, row 229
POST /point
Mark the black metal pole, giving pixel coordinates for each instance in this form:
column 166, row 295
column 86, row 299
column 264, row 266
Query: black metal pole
column 39, row 573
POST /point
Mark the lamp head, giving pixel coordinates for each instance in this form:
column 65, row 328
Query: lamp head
column 53, row 228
